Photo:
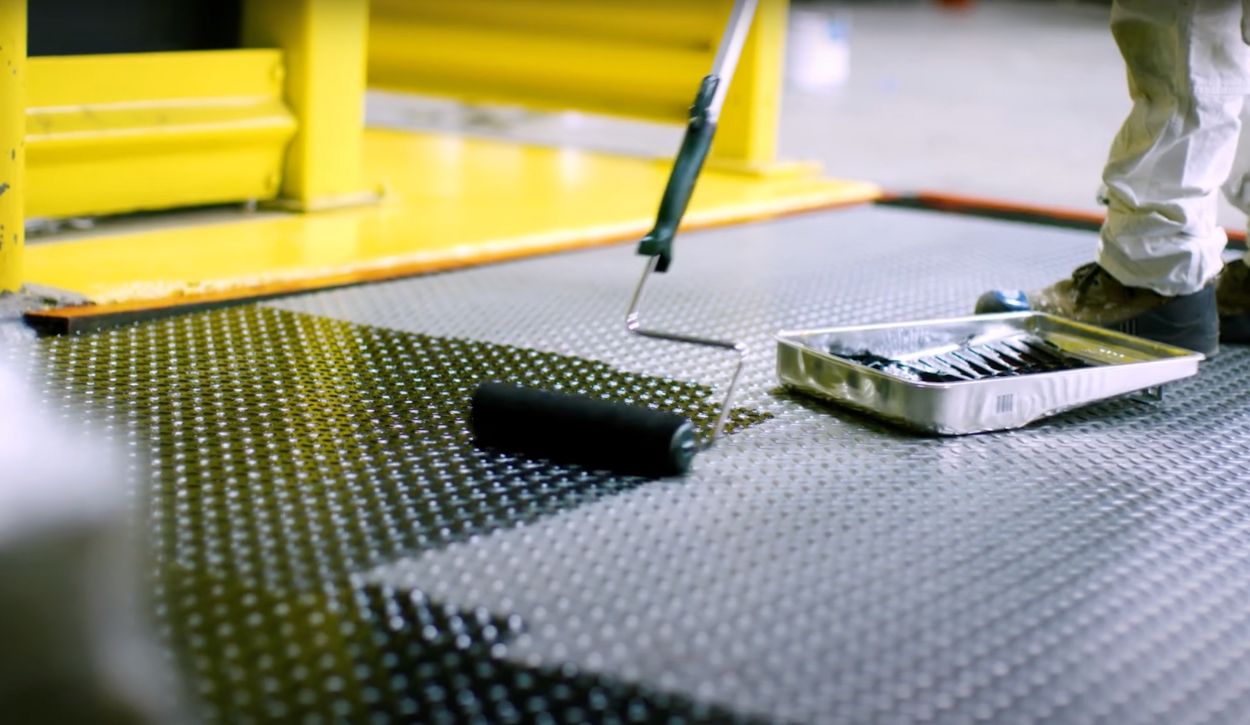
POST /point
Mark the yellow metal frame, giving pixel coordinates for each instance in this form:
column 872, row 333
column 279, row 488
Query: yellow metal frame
column 747, row 137
column 282, row 121
column 635, row 58
column 323, row 42
column 118, row 133
column 110, row 134
column 12, row 143
column 285, row 122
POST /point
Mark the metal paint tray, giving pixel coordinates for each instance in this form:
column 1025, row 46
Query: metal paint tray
column 974, row 374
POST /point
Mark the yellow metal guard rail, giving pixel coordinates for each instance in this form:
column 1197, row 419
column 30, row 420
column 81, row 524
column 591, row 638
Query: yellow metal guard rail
column 638, row 58
column 118, row 133
column 282, row 119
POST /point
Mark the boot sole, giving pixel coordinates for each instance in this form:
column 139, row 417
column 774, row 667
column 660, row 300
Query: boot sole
column 1191, row 322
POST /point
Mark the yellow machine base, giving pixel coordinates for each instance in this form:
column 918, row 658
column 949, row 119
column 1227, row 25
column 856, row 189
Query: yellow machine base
column 446, row 201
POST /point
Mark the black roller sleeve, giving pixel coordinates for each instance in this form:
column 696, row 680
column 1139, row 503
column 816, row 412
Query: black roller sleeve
column 572, row 429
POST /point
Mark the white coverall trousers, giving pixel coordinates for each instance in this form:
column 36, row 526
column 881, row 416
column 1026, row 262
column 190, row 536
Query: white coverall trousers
column 1188, row 67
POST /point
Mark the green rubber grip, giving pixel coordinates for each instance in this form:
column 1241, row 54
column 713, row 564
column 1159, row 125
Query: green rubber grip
column 686, row 167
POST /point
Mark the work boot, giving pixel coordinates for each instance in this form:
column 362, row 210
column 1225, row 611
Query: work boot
column 1232, row 295
column 1094, row 297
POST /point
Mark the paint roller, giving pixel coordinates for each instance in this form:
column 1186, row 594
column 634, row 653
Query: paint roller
column 614, row 436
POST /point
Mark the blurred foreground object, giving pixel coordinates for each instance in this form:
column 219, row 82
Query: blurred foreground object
column 73, row 650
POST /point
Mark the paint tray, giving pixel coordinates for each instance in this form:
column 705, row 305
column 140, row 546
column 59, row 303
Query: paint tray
column 975, row 374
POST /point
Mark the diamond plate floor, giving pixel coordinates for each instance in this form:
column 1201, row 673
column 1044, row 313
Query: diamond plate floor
column 326, row 542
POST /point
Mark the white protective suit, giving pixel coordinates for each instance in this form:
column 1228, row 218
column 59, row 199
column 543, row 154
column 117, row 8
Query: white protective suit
column 1189, row 76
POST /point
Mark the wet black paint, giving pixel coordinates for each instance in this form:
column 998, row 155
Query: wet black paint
column 289, row 453
column 1008, row 357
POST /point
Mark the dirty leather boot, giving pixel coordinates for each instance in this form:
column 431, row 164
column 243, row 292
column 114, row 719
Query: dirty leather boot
column 1232, row 296
column 1094, row 297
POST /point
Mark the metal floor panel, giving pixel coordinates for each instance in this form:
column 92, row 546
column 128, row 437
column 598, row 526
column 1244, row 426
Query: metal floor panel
column 325, row 539
column 824, row 568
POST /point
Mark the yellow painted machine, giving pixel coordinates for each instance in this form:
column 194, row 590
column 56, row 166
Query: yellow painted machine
column 278, row 122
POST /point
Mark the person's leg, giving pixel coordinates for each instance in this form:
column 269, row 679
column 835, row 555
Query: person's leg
column 1233, row 292
column 1188, row 71
column 1189, row 74
column 1237, row 188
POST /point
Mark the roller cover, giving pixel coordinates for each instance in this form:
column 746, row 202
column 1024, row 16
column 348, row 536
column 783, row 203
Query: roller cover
column 594, row 433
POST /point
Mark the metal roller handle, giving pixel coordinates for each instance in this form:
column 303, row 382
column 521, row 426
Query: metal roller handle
column 657, row 245
column 634, row 325
column 697, row 141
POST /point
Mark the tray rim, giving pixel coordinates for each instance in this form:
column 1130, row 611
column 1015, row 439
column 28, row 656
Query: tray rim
column 1175, row 354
